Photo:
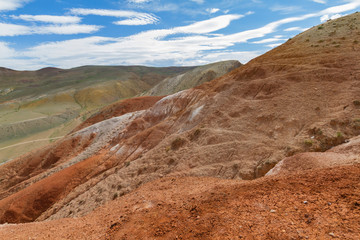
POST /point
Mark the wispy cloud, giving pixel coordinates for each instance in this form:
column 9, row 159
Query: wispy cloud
column 285, row 9
column 273, row 45
column 7, row 5
column 198, row 1
column 49, row 18
column 270, row 40
column 133, row 18
column 320, row 1
column 212, row 10
column 295, row 29
column 138, row 1
column 16, row 30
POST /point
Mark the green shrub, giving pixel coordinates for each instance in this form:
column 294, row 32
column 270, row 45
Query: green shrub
column 339, row 135
column 308, row 142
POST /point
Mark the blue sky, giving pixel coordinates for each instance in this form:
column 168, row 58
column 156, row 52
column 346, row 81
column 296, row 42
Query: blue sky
column 70, row 33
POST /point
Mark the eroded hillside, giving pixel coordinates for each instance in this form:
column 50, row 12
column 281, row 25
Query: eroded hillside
column 37, row 107
column 300, row 97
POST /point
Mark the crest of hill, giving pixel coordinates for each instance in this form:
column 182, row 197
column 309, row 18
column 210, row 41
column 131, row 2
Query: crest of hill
column 192, row 78
column 302, row 96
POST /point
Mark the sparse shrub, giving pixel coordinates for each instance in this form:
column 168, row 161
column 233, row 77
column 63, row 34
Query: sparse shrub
column 343, row 38
column 356, row 103
column 195, row 134
column 339, row 135
column 307, row 40
column 356, row 42
column 315, row 131
column 177, row 143
column 308, row 142
column 337, row 46
column 321, row 27
column 127, row 164
column 167, row 148
column 115, row 196
column 320, row 41
column 171, row 161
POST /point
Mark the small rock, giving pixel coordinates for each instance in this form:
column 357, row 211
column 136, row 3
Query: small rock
column 305, row 202
column 329, row 203
column 332, row 234
column 273, row 211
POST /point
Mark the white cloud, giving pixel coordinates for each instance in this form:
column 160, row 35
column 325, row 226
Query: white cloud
column 5, row 50
column 210, row 25
column 7, row 5
column 139, row 1
column 49, row 18
column 212, row 10
column 138, row 21
column 320, row 1
column 13, row 29
column 133, row 18
column 326, row 17
column 285, row 9
column 274, row 45
column 198, row 1
column 295, row 29
column 66, row 29
column 16, row 30
column 269, row 40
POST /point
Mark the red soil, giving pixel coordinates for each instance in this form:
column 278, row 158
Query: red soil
column 320, row 204
column 120, row 108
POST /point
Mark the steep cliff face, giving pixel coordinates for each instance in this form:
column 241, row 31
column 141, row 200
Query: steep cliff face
column 302, row 96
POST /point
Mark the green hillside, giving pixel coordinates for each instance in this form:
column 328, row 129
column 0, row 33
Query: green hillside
column 36, row 107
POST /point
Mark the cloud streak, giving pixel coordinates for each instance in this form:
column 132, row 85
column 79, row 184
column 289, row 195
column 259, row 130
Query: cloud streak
column 17, row 30
column 133, row 17
column 8, row 5
column 48, row 19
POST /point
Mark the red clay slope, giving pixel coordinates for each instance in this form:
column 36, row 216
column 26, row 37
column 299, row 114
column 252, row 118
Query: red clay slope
column 302, row 96
column 311, row 205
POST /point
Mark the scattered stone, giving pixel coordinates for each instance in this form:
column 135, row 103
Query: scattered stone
column 273, row 211
column 332, row 234
column 305, row 202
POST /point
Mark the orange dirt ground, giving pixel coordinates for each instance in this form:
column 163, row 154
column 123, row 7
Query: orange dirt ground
column 322, row 204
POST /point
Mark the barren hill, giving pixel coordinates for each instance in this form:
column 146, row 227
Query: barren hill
column 302, row 96
column 39, row 106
